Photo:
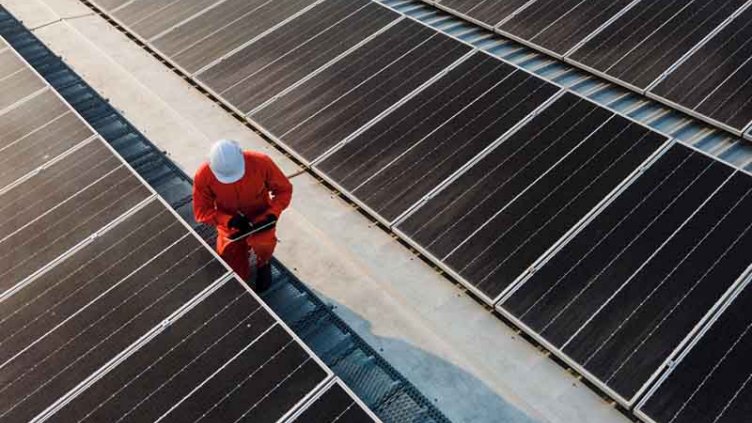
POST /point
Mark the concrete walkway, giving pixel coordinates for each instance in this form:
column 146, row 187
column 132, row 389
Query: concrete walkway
column 452, row 348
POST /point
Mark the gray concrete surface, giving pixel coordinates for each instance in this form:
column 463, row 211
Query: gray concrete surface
column 456, row 351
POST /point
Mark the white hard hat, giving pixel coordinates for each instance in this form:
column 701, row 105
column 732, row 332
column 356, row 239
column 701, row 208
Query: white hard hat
column 226, row 161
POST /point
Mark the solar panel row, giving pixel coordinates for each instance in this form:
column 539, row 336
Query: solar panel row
column 111, row 308
column 602, row 238
column 690, row 54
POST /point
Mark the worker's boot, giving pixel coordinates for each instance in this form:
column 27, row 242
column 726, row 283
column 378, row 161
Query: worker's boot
column 263, row 278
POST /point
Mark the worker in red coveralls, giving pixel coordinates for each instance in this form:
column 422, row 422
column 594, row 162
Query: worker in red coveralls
column 242, row 192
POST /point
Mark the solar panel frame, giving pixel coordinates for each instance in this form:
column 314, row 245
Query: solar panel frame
column 559, row 352
column 228, row 275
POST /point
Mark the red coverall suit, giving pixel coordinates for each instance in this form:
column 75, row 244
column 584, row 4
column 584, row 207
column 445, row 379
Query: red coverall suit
column 215, row 203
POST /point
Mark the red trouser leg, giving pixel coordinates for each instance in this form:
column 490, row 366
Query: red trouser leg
column 263, row 244
column 236, row 254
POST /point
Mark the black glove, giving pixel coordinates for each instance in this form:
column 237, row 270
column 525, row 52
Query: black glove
column 269, row 222
column 241, row 223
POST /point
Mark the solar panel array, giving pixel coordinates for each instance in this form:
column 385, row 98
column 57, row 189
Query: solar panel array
column 111, row 307
column 689, row 54
column 606, row 241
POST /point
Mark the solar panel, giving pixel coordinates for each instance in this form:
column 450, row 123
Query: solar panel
column 559, row 25
column 256, row 73
column 488, row 12
column 494, row 221
column 713, row 83
column 151, row 17
column 335, row 404
column 650, row 37
column 405, row 155
column 318, row 114
column 711, row 381
column 208, row 37
column 619, row 298
column 111, row 308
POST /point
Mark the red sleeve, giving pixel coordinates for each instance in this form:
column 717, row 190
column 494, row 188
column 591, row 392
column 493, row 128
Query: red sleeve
column 204, row 208
column 279, row 186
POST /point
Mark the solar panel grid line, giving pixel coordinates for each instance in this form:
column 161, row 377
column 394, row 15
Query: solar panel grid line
column 656, row 30
column 485, row 279
column 73, row 250
column 188, row 19
column 7, row 108
column 699, row 45
column 93, row 301
column 560, row 354
column 259, row 127
column 313, row 357
column 406, row 54
column 127, row 352
column 293, row 50
column 522, row 40
column 127, row 380
column 177, row 51
column 483, row 3
column 702, row 329
column 652, row 255
column 604, row 75
column 108, row 173
column 147, row 9
column 520, row 79
column 229, row 53
column 254, row 39
column 696, row 47
column 552, row 250
column 559, row 55
column 670, row 359
column 235, row 33
column 561, row 159
column 309, row 163
column 472, row 20
column 392, row 108
column 482, row 154
column 386, row 70
column 335, row 383
column 569, row 358
column 325, row 66
column 488, row 90
column 216, row 372
column 120, row 6
column 392, row 223
column 46, row 165
column 587, row 219
column 695, row 179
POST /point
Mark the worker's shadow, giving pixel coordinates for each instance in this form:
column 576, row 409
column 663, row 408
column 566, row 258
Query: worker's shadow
column 461, row 396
